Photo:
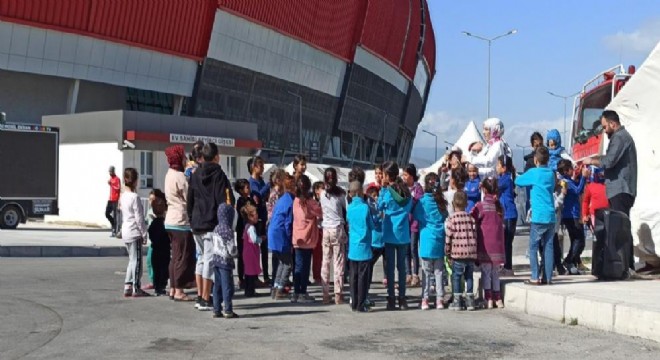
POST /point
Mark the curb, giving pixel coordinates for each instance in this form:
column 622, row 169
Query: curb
column 592, row 312
column 64, row 251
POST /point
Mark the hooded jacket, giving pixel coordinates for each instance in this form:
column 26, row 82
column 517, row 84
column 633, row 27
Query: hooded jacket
column 396, row 223
column 559, row 152
column 209, row 187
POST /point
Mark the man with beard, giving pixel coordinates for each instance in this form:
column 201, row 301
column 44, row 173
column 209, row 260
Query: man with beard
column 620, row 165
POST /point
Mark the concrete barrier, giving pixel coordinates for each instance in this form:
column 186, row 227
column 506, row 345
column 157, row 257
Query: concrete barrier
column 64, row 251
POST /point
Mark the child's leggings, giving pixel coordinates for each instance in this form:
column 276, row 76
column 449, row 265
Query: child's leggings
column 491, row 281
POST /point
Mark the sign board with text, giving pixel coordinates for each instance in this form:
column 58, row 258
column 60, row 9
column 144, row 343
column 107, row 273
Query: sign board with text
column 191, row 139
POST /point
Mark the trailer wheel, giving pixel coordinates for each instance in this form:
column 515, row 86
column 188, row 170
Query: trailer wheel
column 10, row 217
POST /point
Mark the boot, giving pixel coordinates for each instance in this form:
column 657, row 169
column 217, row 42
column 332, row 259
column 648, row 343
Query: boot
column 391, row 306
column 403, row 303
column 469, row 302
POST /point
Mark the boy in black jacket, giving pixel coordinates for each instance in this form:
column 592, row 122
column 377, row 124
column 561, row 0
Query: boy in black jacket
column 208, row 186
column 160, row 245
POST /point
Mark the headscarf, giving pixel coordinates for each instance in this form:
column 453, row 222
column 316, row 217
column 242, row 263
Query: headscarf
column 225, row 227
column 496, row 128
column 175, row 155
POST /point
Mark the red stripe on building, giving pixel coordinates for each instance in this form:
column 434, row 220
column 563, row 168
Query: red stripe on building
column 178, row 27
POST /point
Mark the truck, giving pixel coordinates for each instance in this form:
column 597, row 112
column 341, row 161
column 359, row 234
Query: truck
column 28, row 180
column 635, row 95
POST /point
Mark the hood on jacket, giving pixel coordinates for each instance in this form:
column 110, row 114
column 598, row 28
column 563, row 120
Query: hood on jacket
column 555, row 136
column 400, row 200
column 210, row 177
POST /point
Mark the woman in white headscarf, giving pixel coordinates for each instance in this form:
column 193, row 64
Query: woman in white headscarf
column 484, row 156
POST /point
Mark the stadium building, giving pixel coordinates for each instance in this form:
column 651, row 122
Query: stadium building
column 347, row 80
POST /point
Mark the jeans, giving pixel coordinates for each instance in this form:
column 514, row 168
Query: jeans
column 301, row 272
column 541, row 235
column 376, row 253
column 223, row 289
column 460, row 268
column 283, row 269
column 576, row 234
column 432, row 267
column 412, row 258
column 359, row 280
column 623, row 203
column 111, row 215
column 396, row 254
column 509, row 234
column 134, row 268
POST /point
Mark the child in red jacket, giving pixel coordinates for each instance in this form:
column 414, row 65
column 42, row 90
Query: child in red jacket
column 594, row 196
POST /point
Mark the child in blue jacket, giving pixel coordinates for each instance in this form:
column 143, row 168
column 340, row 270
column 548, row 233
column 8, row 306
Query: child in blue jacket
column 360, row 227
column 507, row 195
column 472, row 189
column 542, row 230
column 377, row 244
column 431, row 213
column 570, row 215
column 395, row 202
column 280, row 232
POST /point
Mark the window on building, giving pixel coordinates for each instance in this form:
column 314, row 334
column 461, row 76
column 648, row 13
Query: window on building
column 146, row 170
column 231, row 167
column 149, row 101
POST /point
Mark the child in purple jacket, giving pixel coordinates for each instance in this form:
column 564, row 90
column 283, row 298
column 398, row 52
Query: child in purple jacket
column 490, row 241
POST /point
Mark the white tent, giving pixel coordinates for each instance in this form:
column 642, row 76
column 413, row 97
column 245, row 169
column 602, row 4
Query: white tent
column 315, row 173
column 470, row 135
column 638, row 106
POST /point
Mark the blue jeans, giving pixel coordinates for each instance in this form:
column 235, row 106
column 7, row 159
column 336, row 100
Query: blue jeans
column 541, row 235
column 460, row 268
column 396, row 253
column 223, row 289
column 301, row 271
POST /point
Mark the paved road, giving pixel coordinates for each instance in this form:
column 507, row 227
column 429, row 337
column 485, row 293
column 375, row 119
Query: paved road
column 72, row 308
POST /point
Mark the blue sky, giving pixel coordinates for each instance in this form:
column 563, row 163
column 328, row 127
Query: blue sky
column 558, row 47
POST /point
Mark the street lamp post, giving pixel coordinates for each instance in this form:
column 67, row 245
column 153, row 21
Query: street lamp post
column 436, row 142
column 300, row 139
column 490, row 42
column 565, row 100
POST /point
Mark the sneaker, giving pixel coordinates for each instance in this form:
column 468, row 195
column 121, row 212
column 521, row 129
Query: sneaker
column 128, row 292
column 469, row 302
column 161, row 292
column 369, row 303
column 403, row 303
column 198, row 302
column 425, row 304
column 391, row 305
column 148, row 287
column 363, row 309
column 217, row 315
column 489, row 304
column 230, row 315
column 506, row 272
column 140, row 293
column 280, row 294
column 306, row 298
column 205, row 306
column 499, row 304
column 113, row 234
column 294, row 298
column 574, row 270
column 561, row 270
column 456, row 304
column 439, row 304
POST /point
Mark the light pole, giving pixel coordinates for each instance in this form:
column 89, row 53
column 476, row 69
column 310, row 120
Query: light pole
column 436, row 142
column 300, row 140
column 490, row 42
column 565, row 99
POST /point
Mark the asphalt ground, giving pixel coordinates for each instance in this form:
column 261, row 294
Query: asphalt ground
column 73, row 308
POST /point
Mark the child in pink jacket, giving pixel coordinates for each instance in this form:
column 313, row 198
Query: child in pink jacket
column 306, row 215
column 251, row 249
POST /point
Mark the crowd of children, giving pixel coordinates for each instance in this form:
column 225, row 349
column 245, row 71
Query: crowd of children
column 453, row 224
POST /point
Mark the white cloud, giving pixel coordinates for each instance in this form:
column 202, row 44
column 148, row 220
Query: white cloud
column 641, row 40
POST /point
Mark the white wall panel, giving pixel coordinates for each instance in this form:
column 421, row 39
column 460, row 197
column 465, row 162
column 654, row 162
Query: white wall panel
column 48, row 52
column 83, row 195
column 242, row 43
column 421, row 78
column 379, row 67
